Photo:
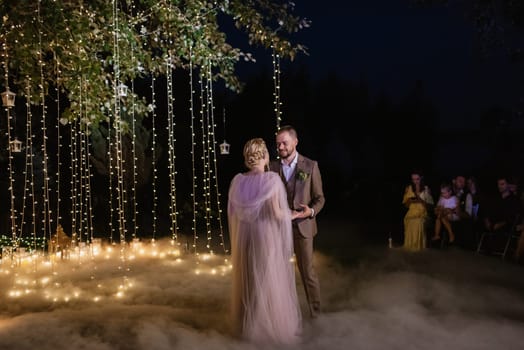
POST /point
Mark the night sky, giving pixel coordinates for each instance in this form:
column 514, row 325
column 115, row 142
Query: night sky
column 393, row 43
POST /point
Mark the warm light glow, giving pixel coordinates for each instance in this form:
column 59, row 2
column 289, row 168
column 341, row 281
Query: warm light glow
column 54, row 280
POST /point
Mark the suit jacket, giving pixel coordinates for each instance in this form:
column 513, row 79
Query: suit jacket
column 304, row 187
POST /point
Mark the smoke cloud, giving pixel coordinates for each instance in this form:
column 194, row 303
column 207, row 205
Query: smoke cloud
column 155, row 299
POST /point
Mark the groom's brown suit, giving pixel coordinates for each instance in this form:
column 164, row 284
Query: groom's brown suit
column 305, row 187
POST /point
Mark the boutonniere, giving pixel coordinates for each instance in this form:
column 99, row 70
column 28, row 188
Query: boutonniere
column 301, row 175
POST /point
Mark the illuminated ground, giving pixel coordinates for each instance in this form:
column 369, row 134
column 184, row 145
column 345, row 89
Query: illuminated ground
column 160, row 298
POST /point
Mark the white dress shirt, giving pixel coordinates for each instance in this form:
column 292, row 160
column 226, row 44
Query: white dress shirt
column 288, row 170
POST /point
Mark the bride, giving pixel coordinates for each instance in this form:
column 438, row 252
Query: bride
column 265, row 306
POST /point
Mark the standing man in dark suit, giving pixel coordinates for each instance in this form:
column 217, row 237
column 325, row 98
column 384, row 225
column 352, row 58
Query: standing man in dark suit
column 303, row 183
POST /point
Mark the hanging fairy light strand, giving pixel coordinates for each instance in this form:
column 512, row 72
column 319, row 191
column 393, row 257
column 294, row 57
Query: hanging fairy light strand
column 133, row 150
column 30, row 182
column 120, row 169
column 120, row 91
column 86, row 177
column 204, row 159
column 193, row 143
column 74, row 184
column 88, row 187
column 79, row 143
column 10, row 153
column 58, row 141
column 24, row 206
column 110, row 180
column 76, row 198
column 276, row 86
column 208, row 129
column 171, row 147
column 46, row 210
column 153, row 154
column 214, row 160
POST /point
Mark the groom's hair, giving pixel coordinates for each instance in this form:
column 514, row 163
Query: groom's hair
column 291, row 130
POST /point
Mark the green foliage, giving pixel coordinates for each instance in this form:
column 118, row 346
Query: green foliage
column 86, row 48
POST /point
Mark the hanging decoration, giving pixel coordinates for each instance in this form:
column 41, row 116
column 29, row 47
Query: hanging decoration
column 224, row 146
column 122, row 90
column 8, row 98
column 15, row 145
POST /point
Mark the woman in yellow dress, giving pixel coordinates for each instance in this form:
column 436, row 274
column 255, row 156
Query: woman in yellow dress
column 417, row 198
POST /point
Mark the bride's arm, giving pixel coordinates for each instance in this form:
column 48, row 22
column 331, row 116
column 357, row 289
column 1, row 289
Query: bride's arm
column 277, row 210
column 280, row 207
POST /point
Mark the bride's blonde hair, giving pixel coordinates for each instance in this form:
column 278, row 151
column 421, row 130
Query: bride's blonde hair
column 254, row 151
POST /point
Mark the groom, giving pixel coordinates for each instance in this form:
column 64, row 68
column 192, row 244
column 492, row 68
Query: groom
column 303, row 184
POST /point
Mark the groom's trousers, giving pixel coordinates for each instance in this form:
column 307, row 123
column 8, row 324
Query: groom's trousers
column 304, row 257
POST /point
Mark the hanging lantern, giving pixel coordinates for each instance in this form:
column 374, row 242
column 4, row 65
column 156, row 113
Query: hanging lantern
column 224, row 147
column 8, row 98
column 15, row 145
column 122, row 90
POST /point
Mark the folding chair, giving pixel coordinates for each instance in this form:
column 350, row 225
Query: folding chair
column 504, row 239
column 513, row 237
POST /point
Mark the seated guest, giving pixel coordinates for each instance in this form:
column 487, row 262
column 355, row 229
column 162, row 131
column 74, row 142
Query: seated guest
column 503, row 210
column 473, row 205
column 459, row 188
column 417, row 199
column 462, row 227
column 447, row 210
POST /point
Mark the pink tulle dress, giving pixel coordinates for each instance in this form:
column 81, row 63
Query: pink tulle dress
column 265, row 307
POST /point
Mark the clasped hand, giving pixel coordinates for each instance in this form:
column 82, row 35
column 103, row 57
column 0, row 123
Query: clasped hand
column 304, row 212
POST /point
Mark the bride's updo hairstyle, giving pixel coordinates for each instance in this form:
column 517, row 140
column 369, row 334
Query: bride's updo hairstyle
column 255, row 151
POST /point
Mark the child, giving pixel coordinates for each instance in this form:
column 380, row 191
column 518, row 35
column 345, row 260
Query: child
column 446, row 212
